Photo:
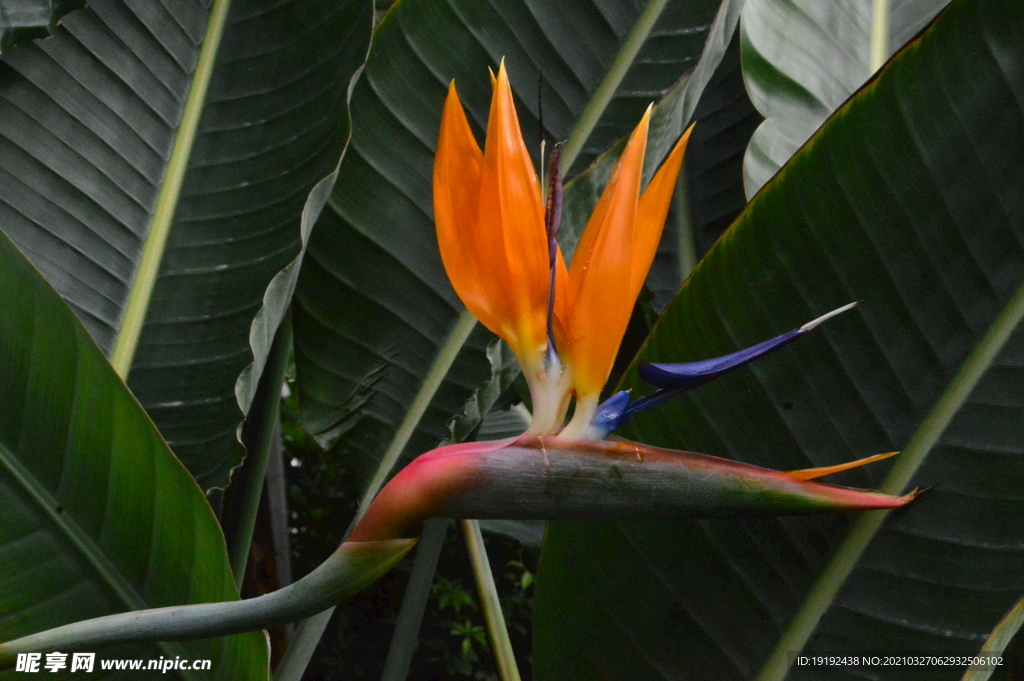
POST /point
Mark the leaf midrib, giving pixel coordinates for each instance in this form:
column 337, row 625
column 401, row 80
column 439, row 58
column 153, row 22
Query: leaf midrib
column 93, row 556
column 144, row 281
column 927, row 434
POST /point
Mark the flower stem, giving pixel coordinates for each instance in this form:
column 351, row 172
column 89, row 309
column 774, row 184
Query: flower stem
column 504, row 657
column 349, row 570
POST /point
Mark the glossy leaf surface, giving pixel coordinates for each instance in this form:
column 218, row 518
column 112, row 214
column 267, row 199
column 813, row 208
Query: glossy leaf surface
column 98, row 516
column 911, row 200
column 97, row 160
column 802, row 59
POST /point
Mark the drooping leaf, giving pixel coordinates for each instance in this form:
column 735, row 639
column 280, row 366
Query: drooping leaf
column 22, row 20
column 802, row 59
column 375, row 313
column 911, row 200
column 155, row 158
column 98, row 516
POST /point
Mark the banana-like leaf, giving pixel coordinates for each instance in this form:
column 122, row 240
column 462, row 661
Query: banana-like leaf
column 803, row 58
column 710, row 192
column 98, row 516
column 910, row 199
column 22, row 20
column 725, row 119
column 377, row 325
column 155, row 158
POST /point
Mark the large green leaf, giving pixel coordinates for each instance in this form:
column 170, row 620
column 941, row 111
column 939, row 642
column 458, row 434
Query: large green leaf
column 98, row 516
column 155, row 158
column 911, row 200
column 803, row 58
column 376, row 319
column 672, row 49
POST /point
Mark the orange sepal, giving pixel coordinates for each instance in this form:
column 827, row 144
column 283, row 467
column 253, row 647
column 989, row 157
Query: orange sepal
column 513, row 247
column 650, row 219
column 812, row 473
column 457, row 166
column 601, row 271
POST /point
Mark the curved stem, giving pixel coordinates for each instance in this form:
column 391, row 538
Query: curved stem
column 349, row 570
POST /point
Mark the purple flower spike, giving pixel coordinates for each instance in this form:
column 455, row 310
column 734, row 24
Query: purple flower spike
column 686, row 376
column 677, row 379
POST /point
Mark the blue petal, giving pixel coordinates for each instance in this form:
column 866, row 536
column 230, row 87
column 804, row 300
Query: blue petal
column 609, row 414
column 686, row 376
column 673, row 380
column 689, row 375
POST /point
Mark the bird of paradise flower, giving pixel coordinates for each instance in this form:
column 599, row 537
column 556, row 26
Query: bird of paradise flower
column 565, row 324
column 497, row 234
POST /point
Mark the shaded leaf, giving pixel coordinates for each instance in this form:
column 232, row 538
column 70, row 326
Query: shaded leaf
column 710, row 193
column 95, row 124
column 98, row 516
column 22, row 20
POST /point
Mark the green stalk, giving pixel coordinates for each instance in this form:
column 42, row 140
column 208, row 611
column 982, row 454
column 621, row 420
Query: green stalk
column 879, row 34
column 687, row 253
column 348, row 571
column 167, row 200
column 300, row 650
column 494, row 620
column 414, row 602
column 606, row 90
column 310, row 631
column 263, row 420
column 997, row 641
column 835, row 574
